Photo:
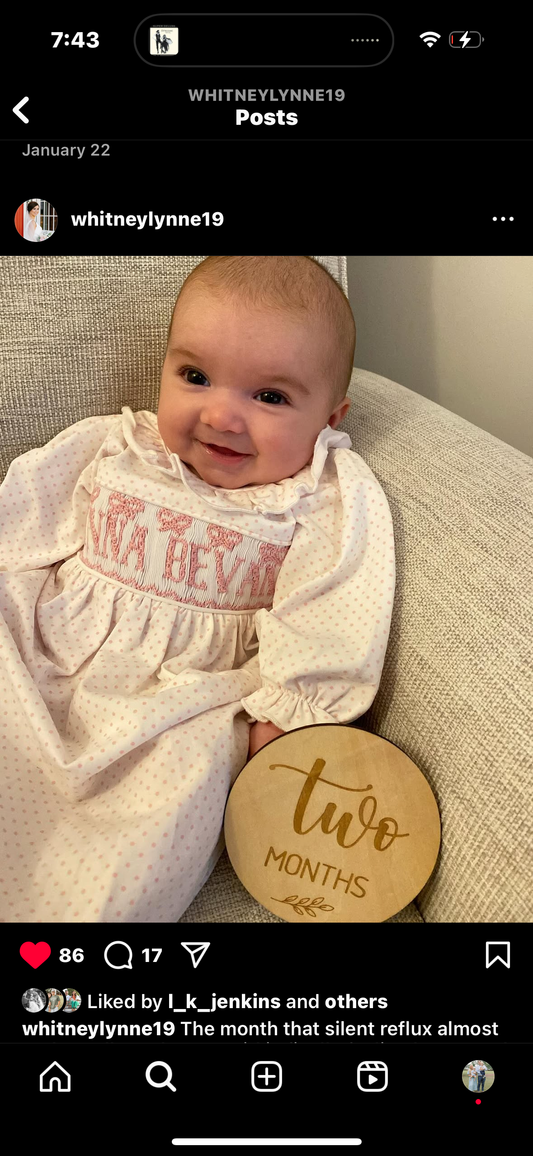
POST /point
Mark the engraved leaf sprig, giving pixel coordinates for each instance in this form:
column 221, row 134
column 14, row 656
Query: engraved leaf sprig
column 305, row 905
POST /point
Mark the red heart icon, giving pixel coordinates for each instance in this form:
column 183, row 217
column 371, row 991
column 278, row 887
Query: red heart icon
column 35, row 953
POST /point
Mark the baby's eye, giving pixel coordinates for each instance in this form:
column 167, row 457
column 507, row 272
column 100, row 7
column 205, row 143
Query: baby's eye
column 197, row 373
column 271, row 393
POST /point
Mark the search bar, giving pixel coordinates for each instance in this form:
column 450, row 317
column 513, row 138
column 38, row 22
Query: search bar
column 263, row 1142
column 264, row 40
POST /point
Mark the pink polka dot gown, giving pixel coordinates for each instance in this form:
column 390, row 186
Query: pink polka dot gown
column 146, row 620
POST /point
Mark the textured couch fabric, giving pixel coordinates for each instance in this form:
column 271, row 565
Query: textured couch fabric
column 456, row 693
column 86, row 335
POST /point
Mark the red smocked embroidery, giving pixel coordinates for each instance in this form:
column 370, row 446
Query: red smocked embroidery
column 270, row 559
column 171, row 548
column 121, row 510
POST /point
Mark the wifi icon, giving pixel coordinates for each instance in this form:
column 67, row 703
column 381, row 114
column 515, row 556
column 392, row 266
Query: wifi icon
column 430, row 38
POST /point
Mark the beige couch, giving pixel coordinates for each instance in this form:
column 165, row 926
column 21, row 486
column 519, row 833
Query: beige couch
column 86, row 335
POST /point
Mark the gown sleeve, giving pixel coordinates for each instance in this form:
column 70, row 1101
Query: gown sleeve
column 44, row 497
column 322, row 645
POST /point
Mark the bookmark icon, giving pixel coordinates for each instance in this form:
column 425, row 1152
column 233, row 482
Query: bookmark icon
column 196, row 951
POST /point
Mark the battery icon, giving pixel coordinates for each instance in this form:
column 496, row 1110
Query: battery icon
column 465, row 39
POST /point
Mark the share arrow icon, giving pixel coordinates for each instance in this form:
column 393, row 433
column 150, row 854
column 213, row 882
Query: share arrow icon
column 196, row 951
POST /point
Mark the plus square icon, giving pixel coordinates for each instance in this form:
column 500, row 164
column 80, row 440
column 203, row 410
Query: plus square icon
column 266, row 1076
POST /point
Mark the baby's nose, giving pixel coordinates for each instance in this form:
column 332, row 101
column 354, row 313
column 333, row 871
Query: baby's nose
column 223, row 415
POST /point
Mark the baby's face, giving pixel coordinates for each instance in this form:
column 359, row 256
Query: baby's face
column 230, row 377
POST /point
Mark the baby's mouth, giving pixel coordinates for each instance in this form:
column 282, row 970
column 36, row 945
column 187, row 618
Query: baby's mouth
column 221, row 449
column 225, row 450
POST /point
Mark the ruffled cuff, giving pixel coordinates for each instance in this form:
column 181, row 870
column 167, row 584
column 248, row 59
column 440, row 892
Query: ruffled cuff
column 284, row 708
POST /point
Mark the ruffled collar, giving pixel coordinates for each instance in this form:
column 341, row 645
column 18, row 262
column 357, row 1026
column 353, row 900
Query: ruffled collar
column 141, row 432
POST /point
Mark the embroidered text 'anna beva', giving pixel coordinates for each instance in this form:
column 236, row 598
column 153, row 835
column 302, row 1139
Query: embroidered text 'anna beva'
column 174, row 555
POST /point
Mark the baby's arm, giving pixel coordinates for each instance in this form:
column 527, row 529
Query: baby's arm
column 322, row 646
column 261, row 733
column 45, row 496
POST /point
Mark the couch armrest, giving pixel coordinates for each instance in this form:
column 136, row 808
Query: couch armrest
column 457, row 687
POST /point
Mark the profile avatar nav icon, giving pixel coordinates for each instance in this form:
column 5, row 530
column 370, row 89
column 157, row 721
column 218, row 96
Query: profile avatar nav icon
column 196, row 951
column 372, row 1076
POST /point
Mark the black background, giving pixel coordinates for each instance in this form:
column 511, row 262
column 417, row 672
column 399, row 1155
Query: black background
column 423, row 152
column 428, row 974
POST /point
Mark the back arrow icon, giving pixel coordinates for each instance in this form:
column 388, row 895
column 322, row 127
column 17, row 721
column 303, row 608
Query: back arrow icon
column 18, row 107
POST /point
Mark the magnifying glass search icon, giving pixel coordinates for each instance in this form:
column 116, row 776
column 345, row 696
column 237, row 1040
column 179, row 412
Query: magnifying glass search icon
column 166, row 1083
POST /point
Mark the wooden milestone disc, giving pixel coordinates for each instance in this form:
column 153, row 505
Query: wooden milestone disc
column 330, row 823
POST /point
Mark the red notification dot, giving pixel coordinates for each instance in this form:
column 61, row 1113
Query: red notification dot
column 478, row 1101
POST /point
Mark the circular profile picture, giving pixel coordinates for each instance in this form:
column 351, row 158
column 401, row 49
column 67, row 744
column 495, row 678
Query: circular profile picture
column 34, row 1000
column 56, row 999
column 36, row 220
column 72, row 999
column 478, row 1076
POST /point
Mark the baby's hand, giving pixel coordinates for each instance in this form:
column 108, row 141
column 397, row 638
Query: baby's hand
column 260, row 734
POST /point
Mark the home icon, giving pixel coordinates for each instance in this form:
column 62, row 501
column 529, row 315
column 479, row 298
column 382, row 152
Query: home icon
column 54, row 1074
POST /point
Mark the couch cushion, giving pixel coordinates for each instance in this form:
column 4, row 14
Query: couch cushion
column 456, row 693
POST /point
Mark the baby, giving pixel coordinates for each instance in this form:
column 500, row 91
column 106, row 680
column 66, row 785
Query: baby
column 177, row 590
